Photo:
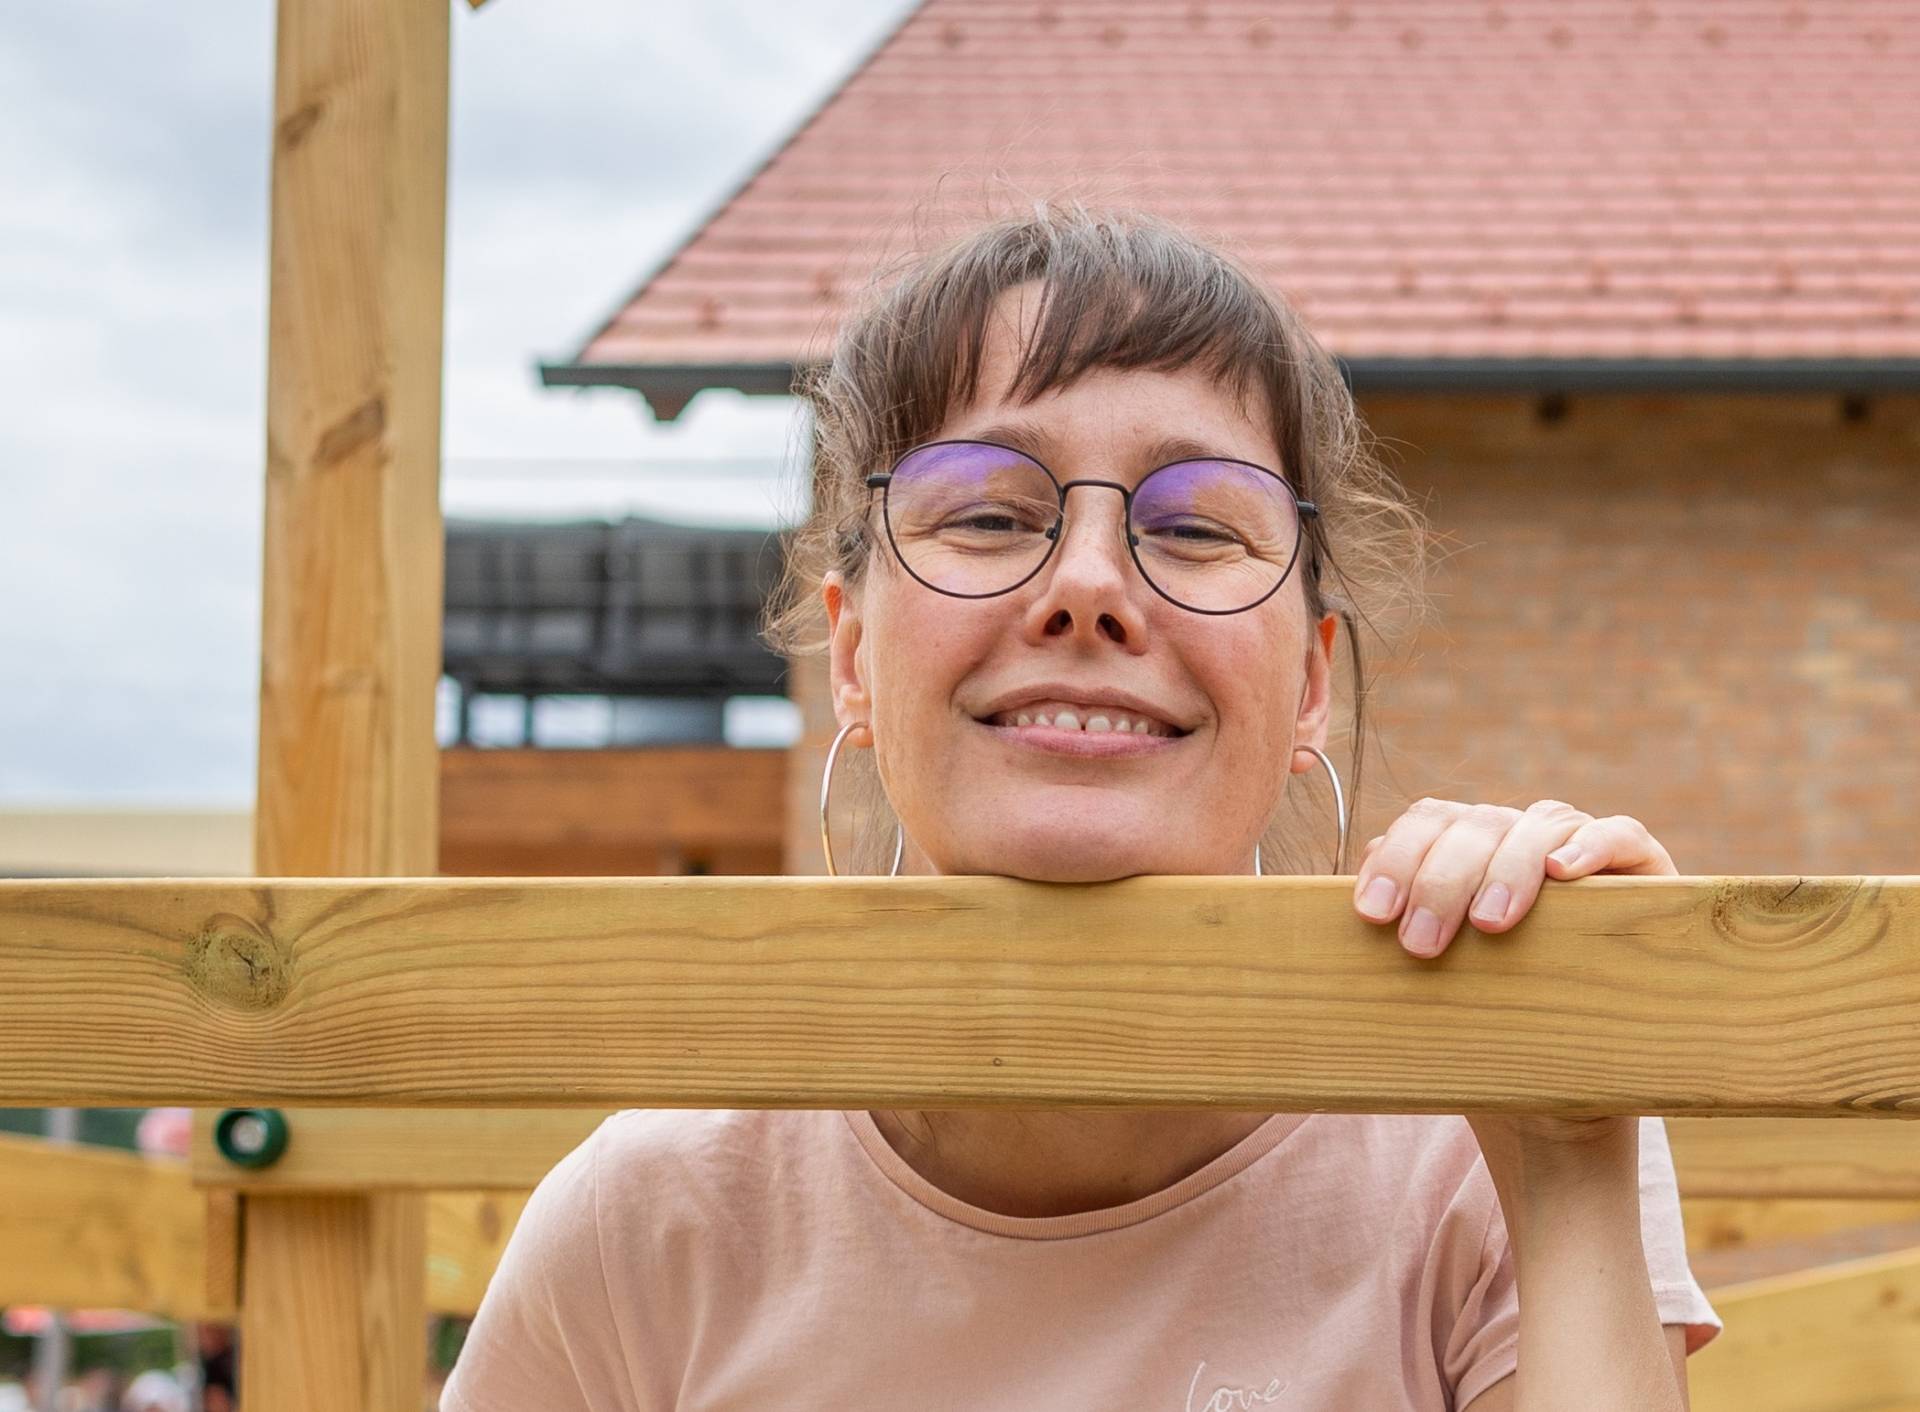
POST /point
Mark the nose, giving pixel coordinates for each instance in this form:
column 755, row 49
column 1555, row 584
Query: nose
column 1090, row 585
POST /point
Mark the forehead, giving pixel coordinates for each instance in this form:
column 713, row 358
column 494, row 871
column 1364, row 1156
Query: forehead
column 1150, row 414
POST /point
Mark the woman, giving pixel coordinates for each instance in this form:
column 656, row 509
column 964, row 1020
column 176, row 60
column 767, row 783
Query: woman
column 1089, row 506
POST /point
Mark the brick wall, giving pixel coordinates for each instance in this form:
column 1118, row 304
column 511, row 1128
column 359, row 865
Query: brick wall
column 1702, row 611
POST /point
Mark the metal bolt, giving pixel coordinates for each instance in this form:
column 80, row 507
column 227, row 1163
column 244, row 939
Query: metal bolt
column 251, row 1137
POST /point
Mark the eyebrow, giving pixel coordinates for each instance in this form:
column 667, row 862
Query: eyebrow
column 1025, row 436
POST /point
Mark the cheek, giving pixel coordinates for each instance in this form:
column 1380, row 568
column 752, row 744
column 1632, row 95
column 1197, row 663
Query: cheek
column 1257, row 694
column 920, row 652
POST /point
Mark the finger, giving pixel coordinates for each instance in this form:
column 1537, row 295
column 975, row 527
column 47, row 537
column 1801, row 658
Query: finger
column 1381, row 884
column 1450, row 875
column 1366, row 854
column 1518, row 870
column 1618, row 843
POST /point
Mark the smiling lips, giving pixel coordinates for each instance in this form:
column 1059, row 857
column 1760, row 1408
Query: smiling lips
column 1093, row 720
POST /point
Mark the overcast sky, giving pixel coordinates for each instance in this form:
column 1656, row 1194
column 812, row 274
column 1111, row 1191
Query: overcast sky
column 589, row 137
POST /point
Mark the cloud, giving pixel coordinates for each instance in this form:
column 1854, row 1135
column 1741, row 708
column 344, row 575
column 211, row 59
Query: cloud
column 588, row 138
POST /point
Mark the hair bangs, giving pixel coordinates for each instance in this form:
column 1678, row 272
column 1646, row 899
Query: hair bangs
column 1108, row 297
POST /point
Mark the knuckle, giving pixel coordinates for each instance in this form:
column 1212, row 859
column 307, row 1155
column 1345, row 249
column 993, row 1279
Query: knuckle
column 1552, row 808
column 1444, row 893
column 1497, row 816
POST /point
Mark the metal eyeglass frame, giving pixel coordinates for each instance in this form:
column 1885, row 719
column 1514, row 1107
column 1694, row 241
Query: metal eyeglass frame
column 1305, row 510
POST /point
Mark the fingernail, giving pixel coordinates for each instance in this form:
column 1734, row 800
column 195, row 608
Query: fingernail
column 1422, row 936
column 1492, row 905
column 1567, row 855
column 1377, row 900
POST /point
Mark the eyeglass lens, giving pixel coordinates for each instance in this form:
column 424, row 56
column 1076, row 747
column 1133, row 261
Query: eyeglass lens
column 973, row 519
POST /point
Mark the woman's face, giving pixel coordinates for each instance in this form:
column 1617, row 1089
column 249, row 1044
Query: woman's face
column 941, row 679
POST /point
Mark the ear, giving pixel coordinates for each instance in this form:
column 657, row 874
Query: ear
column 1316, row 702
column 845, row 679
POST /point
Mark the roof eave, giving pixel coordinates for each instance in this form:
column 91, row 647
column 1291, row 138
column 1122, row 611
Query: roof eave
column 1539, row 376
column 668, row 387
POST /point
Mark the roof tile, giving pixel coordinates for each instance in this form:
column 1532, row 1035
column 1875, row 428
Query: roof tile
column 1431, row 178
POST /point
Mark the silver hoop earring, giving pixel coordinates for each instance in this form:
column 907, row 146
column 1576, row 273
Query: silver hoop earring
column 826, row 789
column 1339, row 813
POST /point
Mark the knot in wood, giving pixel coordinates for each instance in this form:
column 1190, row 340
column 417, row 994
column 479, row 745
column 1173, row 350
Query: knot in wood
column 1784, row 912
column 233, row 962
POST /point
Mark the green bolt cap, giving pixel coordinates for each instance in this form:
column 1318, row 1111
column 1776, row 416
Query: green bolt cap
column 251, row 1137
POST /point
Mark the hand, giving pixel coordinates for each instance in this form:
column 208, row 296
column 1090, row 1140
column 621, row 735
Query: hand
column 1440, row 856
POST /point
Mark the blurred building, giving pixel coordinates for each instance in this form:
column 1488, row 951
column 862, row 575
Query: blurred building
column 1630, row 292
column 658, row 625
column 647, row 631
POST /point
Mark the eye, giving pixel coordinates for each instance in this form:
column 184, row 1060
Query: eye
column 985, row 520
column 1197, row 532
column 1192, row 533
column 1002, row 517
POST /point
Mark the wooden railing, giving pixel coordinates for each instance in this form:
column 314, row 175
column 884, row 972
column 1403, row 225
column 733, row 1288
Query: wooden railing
column 1680, row 996
column 387, row 1017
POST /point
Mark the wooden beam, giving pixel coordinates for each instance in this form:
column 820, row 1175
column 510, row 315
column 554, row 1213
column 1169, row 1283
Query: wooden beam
column 88, row 1228
column 404, row 1149
column 81, row 1227
column 333, row 1287
column 1838, row 1338
column 350, row 652
column 1642, row 995
column 1720, row 1223
column 466, row 1232
column 1779, row 1157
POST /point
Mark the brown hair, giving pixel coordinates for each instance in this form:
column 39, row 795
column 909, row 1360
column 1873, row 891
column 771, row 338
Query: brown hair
column 1120, row 288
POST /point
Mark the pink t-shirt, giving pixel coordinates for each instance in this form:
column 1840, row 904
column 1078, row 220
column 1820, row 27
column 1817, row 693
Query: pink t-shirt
column 710, row 1260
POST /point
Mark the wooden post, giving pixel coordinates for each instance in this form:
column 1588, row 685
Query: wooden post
column 333, row 1286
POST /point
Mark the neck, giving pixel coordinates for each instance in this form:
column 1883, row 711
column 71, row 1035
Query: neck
column 1023, row 1163
column 1058, row 1163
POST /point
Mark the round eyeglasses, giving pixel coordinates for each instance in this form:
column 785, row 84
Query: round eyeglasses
column 974, row 519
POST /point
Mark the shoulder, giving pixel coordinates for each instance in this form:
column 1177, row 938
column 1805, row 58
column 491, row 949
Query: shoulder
column 1413, row 1152
column 651, row 1159
column 661, row 1168
column 728, row 1147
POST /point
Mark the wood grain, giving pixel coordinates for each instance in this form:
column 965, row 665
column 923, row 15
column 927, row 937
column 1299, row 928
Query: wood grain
column 466, row 1233
column 1838, row 1338
column 1718, row 1223
column 89, row 1228
column 1776, row 1157
column 333, row 1287
column 403, row 1149
column 1681, row 996
column 81, row 1227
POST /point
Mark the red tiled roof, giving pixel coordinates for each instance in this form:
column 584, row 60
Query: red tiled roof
column 1431, row 179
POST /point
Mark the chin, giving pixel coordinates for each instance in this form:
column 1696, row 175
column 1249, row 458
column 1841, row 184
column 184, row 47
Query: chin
column 1041, row 852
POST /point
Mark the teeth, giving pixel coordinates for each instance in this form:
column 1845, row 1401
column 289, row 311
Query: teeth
column 1098, row 723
